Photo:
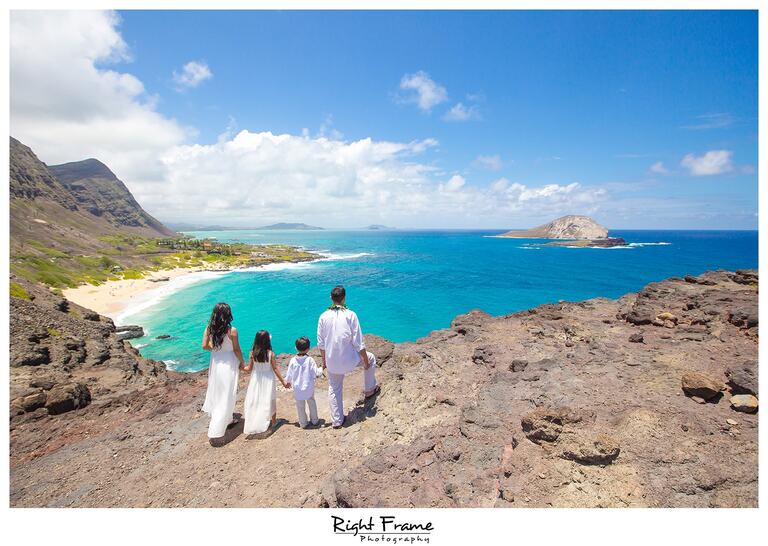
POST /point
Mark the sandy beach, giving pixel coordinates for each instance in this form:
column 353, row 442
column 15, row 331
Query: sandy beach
column 113, row 297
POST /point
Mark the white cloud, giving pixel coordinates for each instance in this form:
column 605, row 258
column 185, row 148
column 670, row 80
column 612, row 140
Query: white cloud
column 70, row 100
column 455, row 183
column 426, row 93
column 335, row 183
column 499, row 185
column 490, row 162
column 192, row 74
column 459, row 112
column 68, row 103
column 710, row 121
column 712, row 162
column 659, row 168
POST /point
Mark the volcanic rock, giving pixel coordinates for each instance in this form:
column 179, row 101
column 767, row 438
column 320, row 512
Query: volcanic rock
column 744, row 402
column 67, row 397
column 743, row 378
column 701, row 385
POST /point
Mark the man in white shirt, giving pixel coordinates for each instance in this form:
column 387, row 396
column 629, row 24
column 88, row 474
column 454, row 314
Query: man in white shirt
column 341, row 345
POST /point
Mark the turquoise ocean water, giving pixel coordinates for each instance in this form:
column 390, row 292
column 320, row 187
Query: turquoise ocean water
column 404, row 284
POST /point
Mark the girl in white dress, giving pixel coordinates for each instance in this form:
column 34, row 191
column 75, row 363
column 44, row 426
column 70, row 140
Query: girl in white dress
column 261, row 398
column 220, row 338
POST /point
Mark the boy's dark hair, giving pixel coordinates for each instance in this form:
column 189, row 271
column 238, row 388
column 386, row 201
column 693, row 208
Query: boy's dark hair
column 302, row 344
column 338, row 294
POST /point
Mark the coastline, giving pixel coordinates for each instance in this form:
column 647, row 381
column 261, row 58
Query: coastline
column 118, row 299
column 113, row 298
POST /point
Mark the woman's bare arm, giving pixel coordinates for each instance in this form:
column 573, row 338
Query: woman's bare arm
column 273, row 362
column 207, row 340
column 236, row 346
column 249, row 367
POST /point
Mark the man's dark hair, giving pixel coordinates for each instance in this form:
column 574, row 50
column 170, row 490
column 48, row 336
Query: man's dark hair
column 338, row 294
column 302, row 344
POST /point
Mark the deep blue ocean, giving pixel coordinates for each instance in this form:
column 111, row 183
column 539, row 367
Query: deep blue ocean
column 404, row 284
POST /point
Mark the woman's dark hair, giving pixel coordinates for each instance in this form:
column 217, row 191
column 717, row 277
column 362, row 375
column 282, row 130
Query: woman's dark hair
column 262, row 344
column 218, row 326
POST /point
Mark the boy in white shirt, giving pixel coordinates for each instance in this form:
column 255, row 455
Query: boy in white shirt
column 301, row 375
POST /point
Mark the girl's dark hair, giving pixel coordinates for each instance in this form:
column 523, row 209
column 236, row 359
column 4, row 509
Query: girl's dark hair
column 218, row 326
column 262, row 344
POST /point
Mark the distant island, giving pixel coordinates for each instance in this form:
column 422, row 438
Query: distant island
column 566, row 227
column 295, row 226
column 379, row 227
column 575, row 231
column 181, row 226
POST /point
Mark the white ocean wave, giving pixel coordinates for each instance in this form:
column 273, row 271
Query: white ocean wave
column 152, row 297
column 170, row 364
column 330, row 256
column 649, row 244
column 623, row 247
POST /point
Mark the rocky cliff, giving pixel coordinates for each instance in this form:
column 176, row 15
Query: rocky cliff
column 96, row 189
column 648, row 400
column 566, row 227
column 71, row 222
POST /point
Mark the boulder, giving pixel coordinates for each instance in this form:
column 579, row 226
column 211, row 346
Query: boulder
column 380, row 347
column 483, row 356
column 518, row 365
column 745, row 403
column 667, row 316
column 700, row 385
column 743, row 378
column 33, row 355
column 470, row 323
column 129, row 332
column 67, row 397
column 639, row 318
column 45, row 384
column 545, row 424
column 636, row 338
column 34, row 401
column 745, row 276
column 745, row 316
column 590, row 449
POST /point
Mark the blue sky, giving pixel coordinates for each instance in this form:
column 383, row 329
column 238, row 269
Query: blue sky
column 610, row 101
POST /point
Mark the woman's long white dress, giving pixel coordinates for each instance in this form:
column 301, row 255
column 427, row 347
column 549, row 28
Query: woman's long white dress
column 260, row 399
column 222, row 388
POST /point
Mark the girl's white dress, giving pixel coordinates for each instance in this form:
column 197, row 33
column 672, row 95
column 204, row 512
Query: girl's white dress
column 222, row 388
column 260, row 399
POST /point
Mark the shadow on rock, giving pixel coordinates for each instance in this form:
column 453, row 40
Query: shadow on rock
column 233, row 431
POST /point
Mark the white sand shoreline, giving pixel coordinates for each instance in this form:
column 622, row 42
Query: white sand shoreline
column 115, row 299
column 120, row 299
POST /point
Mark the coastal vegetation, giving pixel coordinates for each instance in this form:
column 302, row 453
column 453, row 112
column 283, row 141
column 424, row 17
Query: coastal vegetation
column 131, row 257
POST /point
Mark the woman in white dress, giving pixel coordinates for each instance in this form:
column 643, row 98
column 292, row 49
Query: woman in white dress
column 261, row 398
column 220, row 338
